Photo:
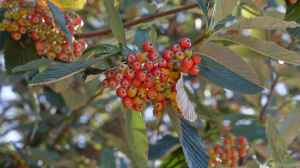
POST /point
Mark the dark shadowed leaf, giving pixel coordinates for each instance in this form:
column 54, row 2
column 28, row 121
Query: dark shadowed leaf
column 18, row 53
column 223, row 67
column 59, row 18
column 115, row 21
column 3, row 38
column 174, row 160
column 61, row 71
column 162, row 147
column 265, row 48
column 203, row 6
column 192, row 145
column 107, row 158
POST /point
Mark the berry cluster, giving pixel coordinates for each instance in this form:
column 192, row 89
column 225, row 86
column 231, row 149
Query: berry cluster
column 231, row 154
column 35, row 20
column 148, row 78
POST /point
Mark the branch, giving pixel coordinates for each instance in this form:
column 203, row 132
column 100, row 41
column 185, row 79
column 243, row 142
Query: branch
column 263, row 111
column 107, row 30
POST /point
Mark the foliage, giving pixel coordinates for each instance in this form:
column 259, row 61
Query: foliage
column 58, row 113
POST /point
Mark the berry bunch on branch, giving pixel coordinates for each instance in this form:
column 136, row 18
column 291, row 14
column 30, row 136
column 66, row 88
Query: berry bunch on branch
column 231, row 153
column 148, row 78
column 34, row 20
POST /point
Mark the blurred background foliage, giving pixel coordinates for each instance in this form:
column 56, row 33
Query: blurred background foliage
column 74, row 122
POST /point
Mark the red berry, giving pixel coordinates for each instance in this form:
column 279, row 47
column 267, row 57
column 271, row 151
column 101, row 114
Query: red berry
column 129, row 74
column 149, row 66
column 137, row 83
column 34, row 36
column 132, row 91
column 152, row 55
column 155, row 72
column 163, row 63
column 152, row 94
column 148, row 83
column 140, row 75
column 127, row 102
column 125, row 83
column 121, row 92
column 119, row 76
column 186, row 64
column 196, row 58
column 136, row 65
column 218, row 149
column 185, row 43
column 242, row 141
column 158, row 107
column 110, row 74
column 175, row 48
column 147, row 46
column 167, row 55
column 105, row 83
column 131, row 58
column 113, row 83
column 16, row 36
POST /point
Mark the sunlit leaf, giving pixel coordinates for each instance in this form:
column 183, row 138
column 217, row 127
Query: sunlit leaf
column 69, row 4
column 115, row 21
column 266, row 48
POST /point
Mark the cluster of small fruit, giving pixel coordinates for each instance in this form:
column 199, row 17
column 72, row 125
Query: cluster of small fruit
column 35, row 20
column 149, row 78
column 230, row 154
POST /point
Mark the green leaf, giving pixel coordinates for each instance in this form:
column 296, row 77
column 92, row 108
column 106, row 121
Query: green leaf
column 146, row 34
column 32, row 65
column 223, row 67
column 61, row 71
column 162, row 147
column 115, row 21
column 128, row 133
column 175, row 160
column 185, row 105
column 203, row 6
column 18, row 53
column 193, row 148
column 59, row 17
column 276, row 143
column 137, row 142
column 108, row 159
column 100, row 50
column 289, row 128
column 223, row 8
column 264, row 22
column 265, row 48
column 293, row 14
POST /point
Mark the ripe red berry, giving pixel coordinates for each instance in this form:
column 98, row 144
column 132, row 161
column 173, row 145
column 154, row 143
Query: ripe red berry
column 163, row 63
column 218, row 149
column 148, row 83
column 141, row 76
column 121, row 92
column 185, row 43
column 136, row 65
column 175, row 48
column 131, row 58
column 34, row 36
column 187, row 63
column 194, row 71
column 119, row 76
column 149, row 66
column 127, row 102
column 129, row 74
column 155, row 72
column 16, row 36
column 125, row 83
column 152, row 55
column 242, row 140
column 109, row 74
column 196, row 58
column 167, row 55
column 137, row 83
column 152, row 94
column 112, row 83
column 147, row 46
column 105, row 83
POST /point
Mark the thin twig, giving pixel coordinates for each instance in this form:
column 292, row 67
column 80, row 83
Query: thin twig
column 263, row 111
column 107, row 30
